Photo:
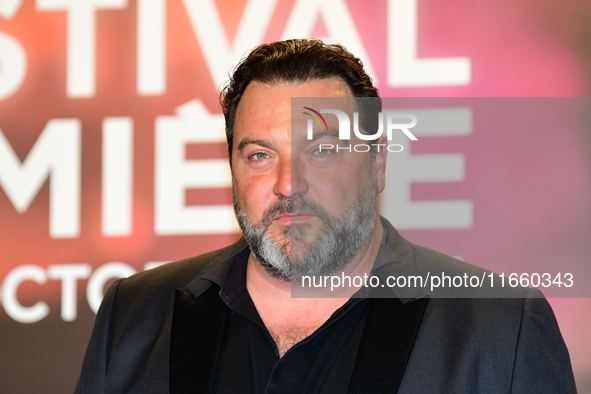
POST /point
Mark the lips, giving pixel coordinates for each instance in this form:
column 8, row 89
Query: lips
column 292, row 210
column 293, row 217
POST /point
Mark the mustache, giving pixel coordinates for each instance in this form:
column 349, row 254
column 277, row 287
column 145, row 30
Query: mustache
column 285, row 206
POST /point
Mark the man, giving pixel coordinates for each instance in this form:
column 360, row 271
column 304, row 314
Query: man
column 227, row 322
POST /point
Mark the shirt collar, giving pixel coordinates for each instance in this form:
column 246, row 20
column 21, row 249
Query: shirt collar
column 227, row 270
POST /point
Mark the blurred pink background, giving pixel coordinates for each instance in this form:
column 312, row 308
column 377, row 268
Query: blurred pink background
column 530, row 191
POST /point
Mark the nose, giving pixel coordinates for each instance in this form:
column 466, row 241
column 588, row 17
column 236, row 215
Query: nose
column 291, row 179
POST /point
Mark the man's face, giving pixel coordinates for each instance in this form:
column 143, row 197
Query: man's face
column 303, row 211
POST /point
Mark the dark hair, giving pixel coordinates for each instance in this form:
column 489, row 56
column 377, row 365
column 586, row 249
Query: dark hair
column 295, row 61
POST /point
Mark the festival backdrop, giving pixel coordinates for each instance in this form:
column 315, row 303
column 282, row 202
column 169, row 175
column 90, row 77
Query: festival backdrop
column 113, row 160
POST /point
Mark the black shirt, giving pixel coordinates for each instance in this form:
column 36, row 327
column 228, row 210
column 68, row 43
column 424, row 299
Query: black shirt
column 321, row 363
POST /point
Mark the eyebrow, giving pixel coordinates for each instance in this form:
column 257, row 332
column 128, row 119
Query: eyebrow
column 249, row 141
column 328, row 133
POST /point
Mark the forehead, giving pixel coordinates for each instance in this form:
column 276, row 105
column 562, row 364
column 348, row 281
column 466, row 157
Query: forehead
column 271, row 103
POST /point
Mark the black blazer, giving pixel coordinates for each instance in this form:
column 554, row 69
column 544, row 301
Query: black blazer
column 154, row 335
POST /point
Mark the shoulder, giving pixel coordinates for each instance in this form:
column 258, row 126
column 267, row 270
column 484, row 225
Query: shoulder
column 174, row 274
column 444, row 276
column 157, row 286
column 511, row 331
column 181, row 273
column 129, row 347
column 472, row 298
column 451, row 277
column 513, row 328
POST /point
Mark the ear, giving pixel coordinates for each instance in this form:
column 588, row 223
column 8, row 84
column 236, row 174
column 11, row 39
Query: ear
column 381, row 156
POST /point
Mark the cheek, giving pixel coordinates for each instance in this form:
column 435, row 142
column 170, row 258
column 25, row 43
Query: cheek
column 342, row 186
column 251, row 193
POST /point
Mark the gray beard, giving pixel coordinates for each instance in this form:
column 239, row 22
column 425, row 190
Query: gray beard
column 306, row 254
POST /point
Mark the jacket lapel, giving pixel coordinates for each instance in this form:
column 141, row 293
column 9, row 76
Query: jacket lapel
column 388, row 338
column 196, row 340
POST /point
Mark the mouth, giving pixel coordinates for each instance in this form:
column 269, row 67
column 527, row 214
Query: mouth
column 290, row 218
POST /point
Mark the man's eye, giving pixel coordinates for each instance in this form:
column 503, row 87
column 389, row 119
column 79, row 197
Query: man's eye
column 322, row 151
column 258, row 156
